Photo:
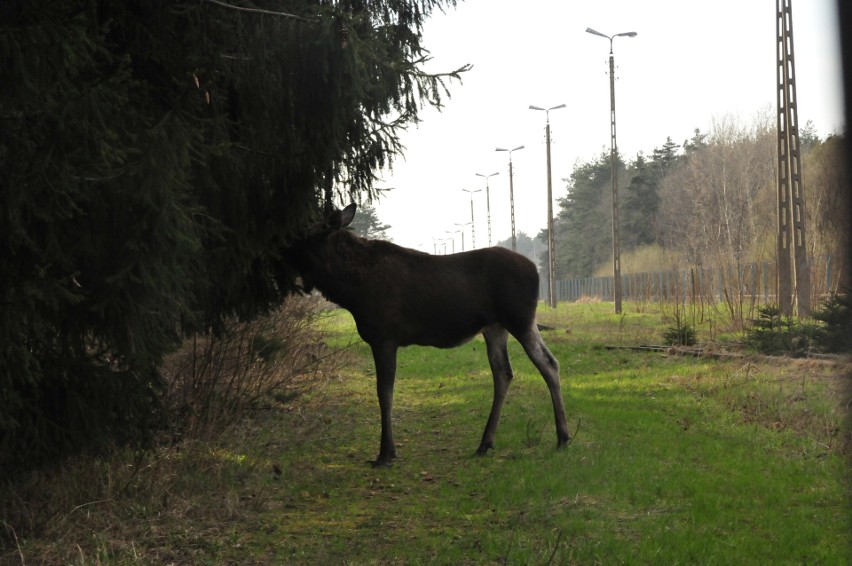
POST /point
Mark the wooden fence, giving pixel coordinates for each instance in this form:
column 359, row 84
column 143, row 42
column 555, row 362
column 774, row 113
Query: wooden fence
column 753, row 283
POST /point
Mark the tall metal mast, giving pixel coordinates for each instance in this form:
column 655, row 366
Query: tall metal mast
column 613, row 158
column 794, row 282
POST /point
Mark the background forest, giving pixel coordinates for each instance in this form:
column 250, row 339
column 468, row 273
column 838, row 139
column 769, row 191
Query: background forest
column 710, row 201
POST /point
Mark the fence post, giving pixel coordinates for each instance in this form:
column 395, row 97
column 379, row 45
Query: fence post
column 754, row 299
column 828, row 275
column 765, row 283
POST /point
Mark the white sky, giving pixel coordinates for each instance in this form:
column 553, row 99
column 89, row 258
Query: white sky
column 690, row 63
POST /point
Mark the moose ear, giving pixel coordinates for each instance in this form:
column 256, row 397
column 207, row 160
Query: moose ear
column 347, row 214
column 341, row 218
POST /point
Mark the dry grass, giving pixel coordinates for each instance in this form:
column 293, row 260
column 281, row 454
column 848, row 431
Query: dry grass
column 220, row 390
column 807, row 398
column 212, row 380
column 644, row 259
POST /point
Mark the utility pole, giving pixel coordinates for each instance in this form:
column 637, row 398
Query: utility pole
column 461, row 229
column 551, row 252
column 794, row 281
column 551, row 248
column 488, row 201
column 453, row 238
column 511, row 195
column 472, row 224
column 613, row 157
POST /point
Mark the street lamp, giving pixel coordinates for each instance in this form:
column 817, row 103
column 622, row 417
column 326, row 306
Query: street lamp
column 461, row 229
column 453, row 238
column 472, row 224
column 551, row 253
column 488, row 201
column 511, row 194
column 613, row 156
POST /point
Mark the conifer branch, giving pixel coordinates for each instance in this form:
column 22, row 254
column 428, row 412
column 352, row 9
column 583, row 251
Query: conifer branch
column 259, row 11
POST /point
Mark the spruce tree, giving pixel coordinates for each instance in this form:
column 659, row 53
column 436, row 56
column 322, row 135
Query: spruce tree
column 640, row 205
column 664, row 158
column 583, row 229
column 367, row 224
column 155, row 157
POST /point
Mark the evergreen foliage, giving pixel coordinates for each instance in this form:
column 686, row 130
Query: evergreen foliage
column 367, row 224
column 835, row 332
column 696, row 143
column 638, row 217
column 774, row 333
column 155, row 156
column 582, row 229
column 681, row 334
column 664, row 158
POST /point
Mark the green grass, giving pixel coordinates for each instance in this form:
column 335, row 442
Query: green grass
column 674, row 460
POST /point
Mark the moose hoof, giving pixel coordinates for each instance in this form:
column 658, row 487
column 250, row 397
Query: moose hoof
column 483, row 449
column 563, row 441
column 383, row 461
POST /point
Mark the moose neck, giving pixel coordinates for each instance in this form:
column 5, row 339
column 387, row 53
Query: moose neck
column 340, row 269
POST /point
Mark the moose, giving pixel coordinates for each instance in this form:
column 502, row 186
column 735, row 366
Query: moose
column 399, row 297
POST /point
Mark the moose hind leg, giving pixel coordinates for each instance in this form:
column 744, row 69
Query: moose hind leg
column 548, row 366
column 496, row 339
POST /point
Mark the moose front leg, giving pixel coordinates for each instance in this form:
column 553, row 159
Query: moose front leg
column 496, row 341
column 384, row 356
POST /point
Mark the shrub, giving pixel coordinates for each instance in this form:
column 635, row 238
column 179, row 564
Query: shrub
column 681, row 334
column 213, row 379
column 773, row 333
column 835, row 314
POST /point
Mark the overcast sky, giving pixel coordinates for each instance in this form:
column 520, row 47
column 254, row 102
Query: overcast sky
column 690, row 64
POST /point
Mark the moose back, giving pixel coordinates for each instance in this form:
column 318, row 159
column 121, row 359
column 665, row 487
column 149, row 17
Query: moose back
column 400, row 297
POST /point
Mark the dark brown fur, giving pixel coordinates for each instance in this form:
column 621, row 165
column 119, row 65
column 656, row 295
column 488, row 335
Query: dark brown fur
column 400, row 297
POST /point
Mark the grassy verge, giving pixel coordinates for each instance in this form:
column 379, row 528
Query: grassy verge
column 674, row 460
